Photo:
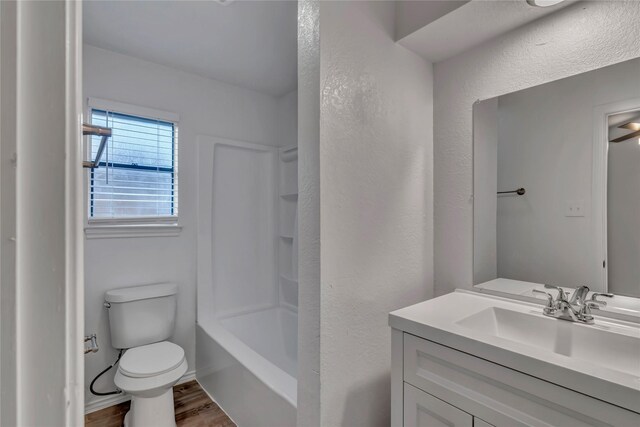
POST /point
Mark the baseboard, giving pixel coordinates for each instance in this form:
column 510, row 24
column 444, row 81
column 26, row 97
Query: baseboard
column 104, row 402
column 189, row 376
column 115, row 399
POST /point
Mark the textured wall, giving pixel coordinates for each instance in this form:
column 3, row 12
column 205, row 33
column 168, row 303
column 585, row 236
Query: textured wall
column 376, row 210
column 580, row 38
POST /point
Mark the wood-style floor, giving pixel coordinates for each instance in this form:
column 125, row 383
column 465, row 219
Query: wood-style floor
column 193, row 409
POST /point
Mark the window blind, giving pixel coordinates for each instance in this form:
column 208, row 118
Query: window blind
column 137, row 175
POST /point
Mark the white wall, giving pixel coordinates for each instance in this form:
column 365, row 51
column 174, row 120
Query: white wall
column 582, row 37
column 205, row 107
column 376, row 203
column 288, row 119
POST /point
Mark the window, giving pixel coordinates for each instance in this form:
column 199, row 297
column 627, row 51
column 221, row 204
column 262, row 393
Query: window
column 137, row 176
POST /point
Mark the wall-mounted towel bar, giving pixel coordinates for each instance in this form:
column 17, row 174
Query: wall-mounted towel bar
column 105, row 133
column 520, row 191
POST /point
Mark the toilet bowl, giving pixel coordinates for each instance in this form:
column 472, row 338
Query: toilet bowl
column 148, row 373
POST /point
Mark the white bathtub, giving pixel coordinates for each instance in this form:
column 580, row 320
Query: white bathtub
column 247, row 363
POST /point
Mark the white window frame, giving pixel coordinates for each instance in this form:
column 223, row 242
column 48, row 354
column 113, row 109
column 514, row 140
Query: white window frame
column 128, row 227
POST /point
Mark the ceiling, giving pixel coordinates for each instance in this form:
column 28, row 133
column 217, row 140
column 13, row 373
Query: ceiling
column 252, row 44
column 446, row 33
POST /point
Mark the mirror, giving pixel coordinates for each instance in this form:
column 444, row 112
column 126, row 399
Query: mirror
column 557, row 185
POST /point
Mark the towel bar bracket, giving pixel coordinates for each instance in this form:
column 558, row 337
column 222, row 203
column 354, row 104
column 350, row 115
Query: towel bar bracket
column 520, row 191
column 93, row 130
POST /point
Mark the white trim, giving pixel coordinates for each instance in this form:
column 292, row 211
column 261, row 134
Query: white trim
column 115, row 399
column 105, row 402
column 134, row 110
column 106, row 228
column 123, row 230
column 142, row 220
column 8, row 284
column 74, row 242
column 601, row 115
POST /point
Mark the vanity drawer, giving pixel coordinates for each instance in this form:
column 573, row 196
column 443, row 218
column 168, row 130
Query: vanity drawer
column 499, row 395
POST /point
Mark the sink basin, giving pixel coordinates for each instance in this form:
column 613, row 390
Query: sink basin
column 604, row 345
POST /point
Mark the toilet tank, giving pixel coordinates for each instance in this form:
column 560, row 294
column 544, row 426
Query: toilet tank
column 142, row 314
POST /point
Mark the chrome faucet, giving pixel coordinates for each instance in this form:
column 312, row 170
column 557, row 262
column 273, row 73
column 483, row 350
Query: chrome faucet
column 576, row 309
column 579, row 296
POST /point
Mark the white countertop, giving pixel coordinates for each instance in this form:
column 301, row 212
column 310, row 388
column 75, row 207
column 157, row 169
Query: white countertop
column 439, row 320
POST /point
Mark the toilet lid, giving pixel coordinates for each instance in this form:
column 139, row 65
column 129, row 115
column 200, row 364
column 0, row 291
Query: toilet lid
column 151, row 360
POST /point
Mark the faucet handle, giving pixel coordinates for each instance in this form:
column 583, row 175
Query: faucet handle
column 595, row 295
column 585, row 311
column 594, row 303
column 562, row 296
column 547, row 294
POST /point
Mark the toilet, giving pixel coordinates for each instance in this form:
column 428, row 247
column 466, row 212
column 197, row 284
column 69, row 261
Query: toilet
column 141, row 319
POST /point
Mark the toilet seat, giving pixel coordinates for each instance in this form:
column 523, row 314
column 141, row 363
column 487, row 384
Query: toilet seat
column 151, row 370
column 151, row 360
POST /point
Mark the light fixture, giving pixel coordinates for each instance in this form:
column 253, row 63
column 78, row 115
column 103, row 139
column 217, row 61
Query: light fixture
column 634, row 125
column 543, row 3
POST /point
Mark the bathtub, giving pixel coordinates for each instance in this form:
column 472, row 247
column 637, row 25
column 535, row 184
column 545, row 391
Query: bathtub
column 247, row 364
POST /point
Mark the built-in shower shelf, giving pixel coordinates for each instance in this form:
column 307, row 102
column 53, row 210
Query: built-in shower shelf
column 289, row 154
column 287, row 220
column 288, row 277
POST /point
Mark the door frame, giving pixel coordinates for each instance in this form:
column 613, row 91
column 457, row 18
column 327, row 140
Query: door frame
column 601, row 115
column 74, row 238
column 42, row 61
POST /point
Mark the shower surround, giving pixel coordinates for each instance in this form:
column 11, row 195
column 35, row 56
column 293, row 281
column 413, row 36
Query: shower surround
column 246, row 338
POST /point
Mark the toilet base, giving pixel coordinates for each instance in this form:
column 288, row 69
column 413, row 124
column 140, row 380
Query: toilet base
column 151, row 411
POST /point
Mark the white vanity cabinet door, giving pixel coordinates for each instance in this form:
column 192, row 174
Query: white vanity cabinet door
column 423, row 410
column 477, row 422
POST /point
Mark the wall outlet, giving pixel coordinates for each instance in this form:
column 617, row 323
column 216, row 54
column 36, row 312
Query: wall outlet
column 574, row 208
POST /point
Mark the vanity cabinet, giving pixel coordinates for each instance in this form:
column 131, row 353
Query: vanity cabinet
column 435, row 385
column 424, row 410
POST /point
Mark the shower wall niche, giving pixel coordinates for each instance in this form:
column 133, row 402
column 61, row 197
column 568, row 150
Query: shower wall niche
column 288, row 226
